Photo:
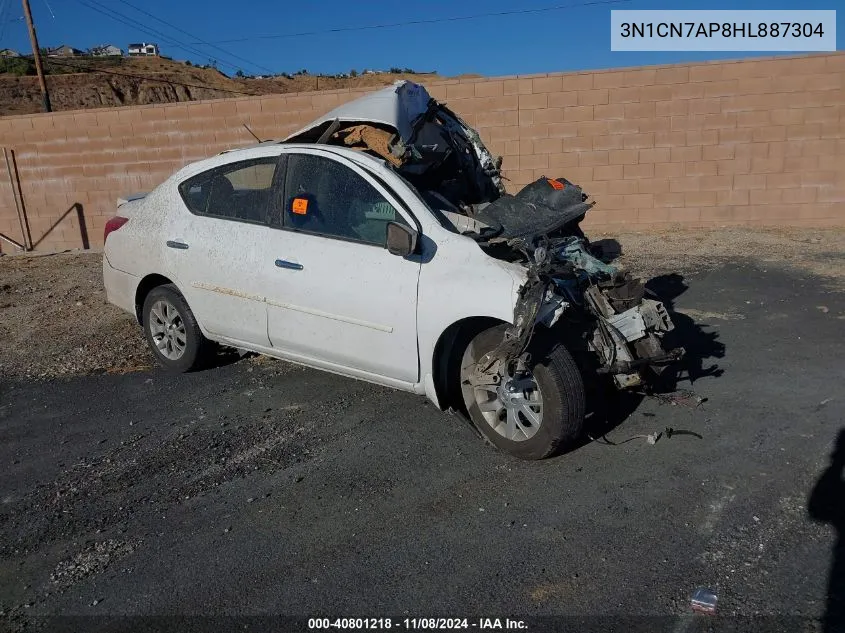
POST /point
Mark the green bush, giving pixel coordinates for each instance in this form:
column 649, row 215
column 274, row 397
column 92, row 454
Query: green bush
column 19, row 66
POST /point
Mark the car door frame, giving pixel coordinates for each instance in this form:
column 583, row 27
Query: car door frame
column 390, row 194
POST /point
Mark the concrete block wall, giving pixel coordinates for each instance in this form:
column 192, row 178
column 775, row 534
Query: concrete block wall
column 752, row 142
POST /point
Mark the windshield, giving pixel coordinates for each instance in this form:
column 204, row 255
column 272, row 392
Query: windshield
column 432, row 202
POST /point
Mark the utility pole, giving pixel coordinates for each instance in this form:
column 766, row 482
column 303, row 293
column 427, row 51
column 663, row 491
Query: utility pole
column 36, row 52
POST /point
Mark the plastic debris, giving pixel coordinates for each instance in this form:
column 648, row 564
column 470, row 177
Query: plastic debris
column 681, row 397
column 704, row 600
column 651, row 438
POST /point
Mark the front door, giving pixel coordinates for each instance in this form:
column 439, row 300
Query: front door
column 342, row 298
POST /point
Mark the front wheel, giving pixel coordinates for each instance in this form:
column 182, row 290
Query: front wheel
column 172, row 331
column 532, row 413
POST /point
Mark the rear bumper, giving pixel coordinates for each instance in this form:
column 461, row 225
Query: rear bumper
column 120, row 287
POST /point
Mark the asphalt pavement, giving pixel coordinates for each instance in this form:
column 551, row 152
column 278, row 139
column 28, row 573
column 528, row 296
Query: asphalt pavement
column 259, row 488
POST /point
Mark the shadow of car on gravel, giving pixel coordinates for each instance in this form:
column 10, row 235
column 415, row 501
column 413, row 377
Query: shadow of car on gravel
column 607, row 407
column 699, row 345
column 827, row 505
column 222, row 356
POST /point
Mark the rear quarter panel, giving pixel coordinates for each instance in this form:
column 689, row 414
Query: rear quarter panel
column 136, row 248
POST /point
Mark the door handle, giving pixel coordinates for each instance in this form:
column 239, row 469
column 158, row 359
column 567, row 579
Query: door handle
column 281, row 263
column 177, row 244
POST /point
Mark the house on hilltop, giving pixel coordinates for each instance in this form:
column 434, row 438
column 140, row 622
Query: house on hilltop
column 106, row 50
column 64, row 51
column 8, row 52
column 143, row 49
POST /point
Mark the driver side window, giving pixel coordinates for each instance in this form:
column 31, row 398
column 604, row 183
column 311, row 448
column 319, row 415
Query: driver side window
column 327, row 198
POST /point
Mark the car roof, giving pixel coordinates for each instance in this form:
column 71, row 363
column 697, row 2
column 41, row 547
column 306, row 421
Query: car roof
column 396, row 106
column 276, row 148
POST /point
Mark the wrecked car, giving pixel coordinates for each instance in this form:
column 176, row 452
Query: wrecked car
column 379, row 243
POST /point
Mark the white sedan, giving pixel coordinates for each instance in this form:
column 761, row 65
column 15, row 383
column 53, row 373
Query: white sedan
column 360, row 247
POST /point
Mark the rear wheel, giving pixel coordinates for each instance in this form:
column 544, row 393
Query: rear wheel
column 172, row 331
column 531, row 413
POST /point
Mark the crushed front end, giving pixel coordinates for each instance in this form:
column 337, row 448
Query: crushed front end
column 624, row 327
column 621, row 324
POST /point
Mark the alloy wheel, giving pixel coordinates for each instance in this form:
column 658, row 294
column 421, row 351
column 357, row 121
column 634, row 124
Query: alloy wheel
column 167, row 330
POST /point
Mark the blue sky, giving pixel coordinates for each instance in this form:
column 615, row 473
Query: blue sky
column 564, row 39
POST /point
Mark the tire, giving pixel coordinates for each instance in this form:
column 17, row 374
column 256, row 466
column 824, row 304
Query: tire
column 559, row 406
column 180, row 348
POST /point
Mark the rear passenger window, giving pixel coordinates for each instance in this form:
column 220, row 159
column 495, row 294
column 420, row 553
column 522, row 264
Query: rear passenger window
column 239, row 191
column 325, row 197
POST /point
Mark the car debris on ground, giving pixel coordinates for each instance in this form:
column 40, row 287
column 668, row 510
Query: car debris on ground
column 704, row 601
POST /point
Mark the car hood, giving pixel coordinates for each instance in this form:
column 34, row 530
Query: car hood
column 397, row 106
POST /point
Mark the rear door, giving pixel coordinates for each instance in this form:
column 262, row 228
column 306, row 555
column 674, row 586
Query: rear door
column 342, row 298
column 215, row 242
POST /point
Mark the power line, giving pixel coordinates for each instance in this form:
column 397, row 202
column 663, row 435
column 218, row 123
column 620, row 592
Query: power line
column 124, row 19
column 346, row 29
column 50, row 9
column 134, row 76
column 183, row 31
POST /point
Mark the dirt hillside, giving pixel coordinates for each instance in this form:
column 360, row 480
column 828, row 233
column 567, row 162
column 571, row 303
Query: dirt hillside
column 138, row 81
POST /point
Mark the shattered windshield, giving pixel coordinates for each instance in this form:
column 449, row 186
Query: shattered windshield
column 435, row 204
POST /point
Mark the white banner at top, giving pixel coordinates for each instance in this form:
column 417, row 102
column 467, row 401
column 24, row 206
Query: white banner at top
column 774, row 31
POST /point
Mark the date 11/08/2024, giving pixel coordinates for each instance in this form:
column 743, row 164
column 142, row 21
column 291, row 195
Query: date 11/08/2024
column 422, row 624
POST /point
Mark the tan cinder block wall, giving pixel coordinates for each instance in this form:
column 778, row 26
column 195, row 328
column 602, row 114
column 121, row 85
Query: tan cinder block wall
column 756, row 142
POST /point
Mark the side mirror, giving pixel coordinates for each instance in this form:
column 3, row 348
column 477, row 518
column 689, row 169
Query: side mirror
column 401, row 240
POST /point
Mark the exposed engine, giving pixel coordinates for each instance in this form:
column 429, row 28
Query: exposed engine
column 625, row 327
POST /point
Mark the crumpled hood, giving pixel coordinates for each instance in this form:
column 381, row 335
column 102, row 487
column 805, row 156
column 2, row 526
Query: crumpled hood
column 426, row 142
column 397, row 106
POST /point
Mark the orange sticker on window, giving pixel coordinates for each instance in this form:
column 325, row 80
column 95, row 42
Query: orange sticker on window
column 300, row 206
column 556, row 184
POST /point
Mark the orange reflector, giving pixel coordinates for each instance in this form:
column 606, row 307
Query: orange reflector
column 300, row 206
column 556, row 184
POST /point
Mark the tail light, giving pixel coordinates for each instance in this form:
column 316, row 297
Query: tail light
column 112, row 225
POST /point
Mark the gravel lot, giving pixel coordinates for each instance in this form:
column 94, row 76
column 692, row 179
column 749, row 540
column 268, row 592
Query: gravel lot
column 259, row 488
column 54, row 319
